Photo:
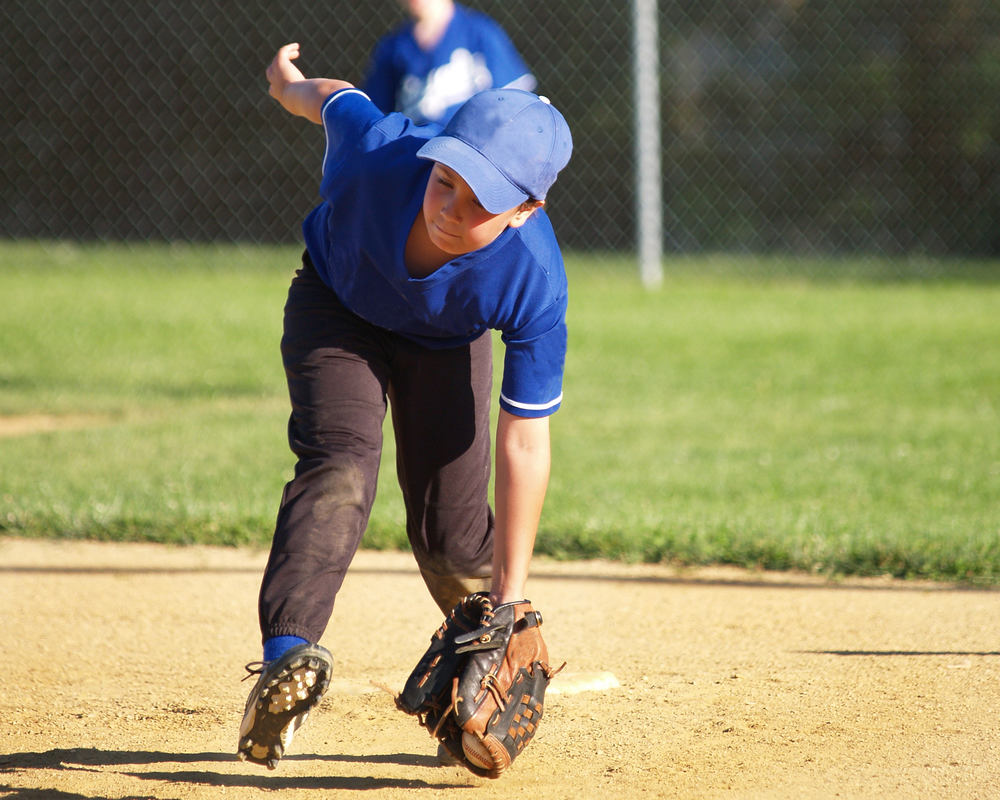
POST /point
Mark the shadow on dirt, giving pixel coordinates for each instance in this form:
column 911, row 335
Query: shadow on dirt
column 748, row 579
column 901, row 652
column 14, row 793
column 82, row 758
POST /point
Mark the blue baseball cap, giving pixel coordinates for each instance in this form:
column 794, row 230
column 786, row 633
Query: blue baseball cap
column 507, row 144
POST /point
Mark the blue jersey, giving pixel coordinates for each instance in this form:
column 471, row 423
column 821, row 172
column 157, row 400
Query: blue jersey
column 372, row 188
column 474, row 54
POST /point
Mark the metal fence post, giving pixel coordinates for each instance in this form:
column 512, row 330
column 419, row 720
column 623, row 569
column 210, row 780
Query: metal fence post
column 649, row 201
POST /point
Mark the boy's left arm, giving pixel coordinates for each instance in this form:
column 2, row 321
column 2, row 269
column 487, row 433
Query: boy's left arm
column 298, row 95
column 495, row 642
column 523, row 460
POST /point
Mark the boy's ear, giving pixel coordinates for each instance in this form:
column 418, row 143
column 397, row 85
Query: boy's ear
column 524, row 212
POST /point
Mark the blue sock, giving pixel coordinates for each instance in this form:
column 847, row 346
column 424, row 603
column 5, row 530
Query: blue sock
column 276, row 646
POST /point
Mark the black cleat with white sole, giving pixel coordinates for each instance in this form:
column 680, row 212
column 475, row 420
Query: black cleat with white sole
column 287, row 689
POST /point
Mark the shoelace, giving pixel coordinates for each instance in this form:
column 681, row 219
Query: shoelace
column 253, row 668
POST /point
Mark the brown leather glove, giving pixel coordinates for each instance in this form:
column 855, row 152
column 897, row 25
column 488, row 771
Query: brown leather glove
column 484, row 676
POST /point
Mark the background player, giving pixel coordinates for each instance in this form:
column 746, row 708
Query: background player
column 435, row 61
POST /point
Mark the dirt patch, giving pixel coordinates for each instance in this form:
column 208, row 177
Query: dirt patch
column 26, row 424
column 122, row 668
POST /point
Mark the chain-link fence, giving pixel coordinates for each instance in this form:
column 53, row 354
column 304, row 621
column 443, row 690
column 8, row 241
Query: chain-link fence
column 796, row 126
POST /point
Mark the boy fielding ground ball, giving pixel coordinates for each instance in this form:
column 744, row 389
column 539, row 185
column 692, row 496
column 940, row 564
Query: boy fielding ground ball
column 426, row 239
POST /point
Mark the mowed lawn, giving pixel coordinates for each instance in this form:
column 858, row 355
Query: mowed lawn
column 841, row 417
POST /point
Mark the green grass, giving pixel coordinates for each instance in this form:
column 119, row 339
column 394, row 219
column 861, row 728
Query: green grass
column 839, row 417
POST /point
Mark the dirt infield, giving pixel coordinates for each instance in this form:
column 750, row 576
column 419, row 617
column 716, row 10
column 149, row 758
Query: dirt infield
column 121, row 668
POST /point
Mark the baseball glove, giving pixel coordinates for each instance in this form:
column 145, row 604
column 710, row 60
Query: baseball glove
column 484, row 676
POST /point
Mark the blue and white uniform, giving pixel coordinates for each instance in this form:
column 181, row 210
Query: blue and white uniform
column 474, row 54
column 373, row 187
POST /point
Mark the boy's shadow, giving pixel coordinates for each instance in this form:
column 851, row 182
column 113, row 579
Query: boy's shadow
column 82, row 758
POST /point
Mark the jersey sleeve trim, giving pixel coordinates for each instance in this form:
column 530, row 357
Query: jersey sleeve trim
column 322, row 111
column 341, row 93
column 531, row 406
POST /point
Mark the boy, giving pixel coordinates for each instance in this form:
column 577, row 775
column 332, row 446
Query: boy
column 441, row 56
column 425, row 240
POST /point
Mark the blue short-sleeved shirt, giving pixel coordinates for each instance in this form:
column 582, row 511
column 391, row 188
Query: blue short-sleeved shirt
column 372, row 189
column 474, row 54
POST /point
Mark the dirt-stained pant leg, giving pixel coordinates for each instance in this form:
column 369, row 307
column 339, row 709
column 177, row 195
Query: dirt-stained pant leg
column 448, row 590
column 337, row 371
column 340, row 370
column 440, row 402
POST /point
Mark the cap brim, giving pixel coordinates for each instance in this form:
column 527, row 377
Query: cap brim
column 491, row 187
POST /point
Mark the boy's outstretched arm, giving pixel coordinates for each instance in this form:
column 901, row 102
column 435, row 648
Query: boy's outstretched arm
column 522, row 477
column 299, row 95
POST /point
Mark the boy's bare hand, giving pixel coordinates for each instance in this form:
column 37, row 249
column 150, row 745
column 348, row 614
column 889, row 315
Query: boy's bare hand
column 281, row 71
column 297, row 94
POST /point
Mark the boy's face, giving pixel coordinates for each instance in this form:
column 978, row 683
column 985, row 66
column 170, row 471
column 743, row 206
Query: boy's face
column 456, row 222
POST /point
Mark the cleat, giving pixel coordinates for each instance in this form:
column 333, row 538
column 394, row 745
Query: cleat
column 287, row 689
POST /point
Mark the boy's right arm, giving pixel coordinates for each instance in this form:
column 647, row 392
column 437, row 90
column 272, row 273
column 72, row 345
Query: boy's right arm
column 298, row 95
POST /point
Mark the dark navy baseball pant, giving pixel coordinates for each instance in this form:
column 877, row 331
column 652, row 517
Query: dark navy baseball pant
column 343, row 374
